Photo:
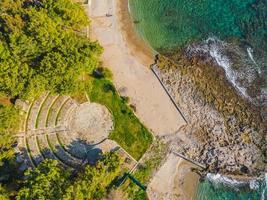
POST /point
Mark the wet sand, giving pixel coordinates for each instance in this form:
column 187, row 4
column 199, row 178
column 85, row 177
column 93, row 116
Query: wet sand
column 137, row 45
column 128, row 57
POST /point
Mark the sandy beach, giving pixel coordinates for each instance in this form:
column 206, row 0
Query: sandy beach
column 174, row 180
column 127, row 56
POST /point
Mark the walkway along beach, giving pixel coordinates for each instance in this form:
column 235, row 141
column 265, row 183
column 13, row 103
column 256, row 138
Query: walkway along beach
column 128, row 57
column 129, row 60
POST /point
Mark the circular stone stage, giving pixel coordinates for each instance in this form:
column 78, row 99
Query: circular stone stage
column 58, row 127
column 91, row 122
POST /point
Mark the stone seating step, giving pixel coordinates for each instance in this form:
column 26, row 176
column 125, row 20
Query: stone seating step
column 61, row 154
column 22, row 155
column 41, row 123
column 34, row 150
column 54, row 110
column 65, row 112
column 73, row 146
column 31, row 122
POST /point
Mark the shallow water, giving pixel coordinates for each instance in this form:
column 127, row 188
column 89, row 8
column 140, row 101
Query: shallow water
column 240, row 24
column 231, row 32
column 216, row 187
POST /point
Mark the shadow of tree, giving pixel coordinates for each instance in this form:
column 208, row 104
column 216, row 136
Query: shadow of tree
column 84, row 150
column 76, row 155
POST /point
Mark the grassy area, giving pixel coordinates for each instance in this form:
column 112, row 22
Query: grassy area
column 128, row 132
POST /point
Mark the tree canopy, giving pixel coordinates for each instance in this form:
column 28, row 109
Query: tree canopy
column 4, row 195
column 93, row 182
column 9, row 120
column 49, row 181
column 43, row 47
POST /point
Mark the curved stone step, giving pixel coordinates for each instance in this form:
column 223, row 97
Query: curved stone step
column 61, row 154
column 23, row 118
column 33, row 115
column 54, row 110
column 72, row 146
column 45, row 149
column 65, row 112
column 22, row 155
column 81, row 149
column 34, row 150
column 41, row 123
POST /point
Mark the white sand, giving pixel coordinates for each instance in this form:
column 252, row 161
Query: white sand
column 129, row 60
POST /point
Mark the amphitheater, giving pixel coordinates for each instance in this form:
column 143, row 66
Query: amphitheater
column 60, row 128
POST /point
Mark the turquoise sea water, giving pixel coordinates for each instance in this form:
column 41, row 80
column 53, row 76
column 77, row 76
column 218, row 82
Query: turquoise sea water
column 169, row 23
column 216, row 187
column 212, row 25
column 234, row 34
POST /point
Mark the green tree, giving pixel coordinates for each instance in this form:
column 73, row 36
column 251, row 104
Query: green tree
column 9, row 120
column 93, row 182
column 4, row 195
column 50, row 182
column 43, row 47
column 47, row 182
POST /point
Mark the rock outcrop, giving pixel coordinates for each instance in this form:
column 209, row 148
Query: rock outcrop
column 226, row 132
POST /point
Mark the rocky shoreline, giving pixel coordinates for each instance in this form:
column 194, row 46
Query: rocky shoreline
column 224, row 131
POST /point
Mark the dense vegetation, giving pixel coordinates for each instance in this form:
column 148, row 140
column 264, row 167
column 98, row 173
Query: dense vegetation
column 43, row 47
column 49, row 181
column 8, row 123
column 129, row 132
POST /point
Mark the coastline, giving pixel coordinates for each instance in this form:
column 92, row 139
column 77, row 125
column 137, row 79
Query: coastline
column 129, row 60
column 145, row 54
column 128, row 57
column 201, row 112
column 136, row 44
column 174, row 180
column 137, row 48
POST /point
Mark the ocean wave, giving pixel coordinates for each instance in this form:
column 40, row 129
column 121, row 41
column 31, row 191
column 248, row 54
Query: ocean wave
column 219, row 180
column 239, row 64
column 250, row 54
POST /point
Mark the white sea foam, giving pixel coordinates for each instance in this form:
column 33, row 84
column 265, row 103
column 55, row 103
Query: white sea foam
column 254, row 184
column 250, row 54
column 214, row 48
column 218, row 179
column 263, row 194
column 240, row 67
